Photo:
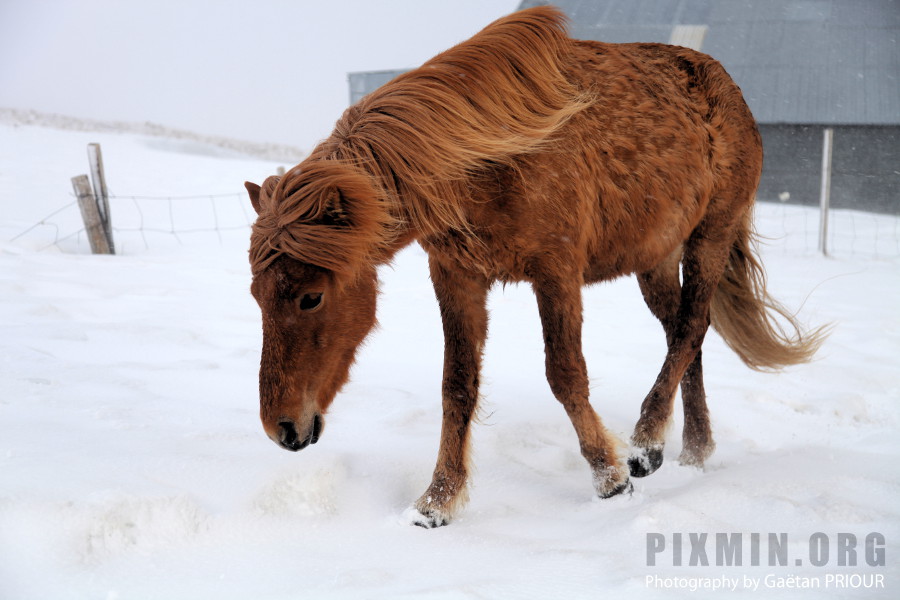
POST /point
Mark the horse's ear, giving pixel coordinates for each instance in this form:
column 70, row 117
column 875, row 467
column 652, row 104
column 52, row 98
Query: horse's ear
column 253, row 190
column 335, row 210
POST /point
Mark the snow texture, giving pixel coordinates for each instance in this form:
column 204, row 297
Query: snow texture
column 133, row 464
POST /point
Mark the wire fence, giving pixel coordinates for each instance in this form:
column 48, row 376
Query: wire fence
column 145, row 223
column 218, row 219
column 794, row 230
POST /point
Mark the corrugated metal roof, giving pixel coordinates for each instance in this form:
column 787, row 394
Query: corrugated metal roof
column 797, row 61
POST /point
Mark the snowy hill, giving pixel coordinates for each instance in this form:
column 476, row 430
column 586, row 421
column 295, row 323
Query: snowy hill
column 133, row 464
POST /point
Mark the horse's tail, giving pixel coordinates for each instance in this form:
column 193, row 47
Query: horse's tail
column 763, row 333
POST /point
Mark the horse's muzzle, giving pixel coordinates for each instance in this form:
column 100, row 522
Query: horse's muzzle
column 289, row 439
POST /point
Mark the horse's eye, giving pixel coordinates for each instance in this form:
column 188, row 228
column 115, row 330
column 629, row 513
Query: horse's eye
column 310, row 301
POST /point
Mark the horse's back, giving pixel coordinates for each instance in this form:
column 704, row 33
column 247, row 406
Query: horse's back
column 631, row 176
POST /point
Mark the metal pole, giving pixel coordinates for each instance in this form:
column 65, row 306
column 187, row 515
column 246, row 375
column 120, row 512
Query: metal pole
column 825, row 193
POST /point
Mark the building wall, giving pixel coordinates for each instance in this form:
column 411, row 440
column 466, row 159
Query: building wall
column 364, row 82
column 865, row 166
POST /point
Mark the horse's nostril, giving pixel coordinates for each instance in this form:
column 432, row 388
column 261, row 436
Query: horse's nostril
column 317, row 429
column 289, row 439
column 288, row 435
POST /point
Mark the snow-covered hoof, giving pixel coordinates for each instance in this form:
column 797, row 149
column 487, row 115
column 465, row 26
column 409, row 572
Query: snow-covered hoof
column 626, row 488
column 443, row 499
column 429, row 519
column 644, row 461
column 695, row 455
column 612, row 481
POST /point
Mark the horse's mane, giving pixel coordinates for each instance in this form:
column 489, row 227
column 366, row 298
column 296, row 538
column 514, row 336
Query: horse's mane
column 421, row 141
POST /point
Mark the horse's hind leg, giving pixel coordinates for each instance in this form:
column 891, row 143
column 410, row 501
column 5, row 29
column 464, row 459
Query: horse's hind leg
column 705, row 255
column 559, row 304
column 662, row 292
column 463, row 303
column 697, row 442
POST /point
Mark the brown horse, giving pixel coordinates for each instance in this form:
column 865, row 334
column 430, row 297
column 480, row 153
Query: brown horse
column 523, row 155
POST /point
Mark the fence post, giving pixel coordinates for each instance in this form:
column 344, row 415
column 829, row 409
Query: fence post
column 825, row 192
column 90, row 213
column 98, row 179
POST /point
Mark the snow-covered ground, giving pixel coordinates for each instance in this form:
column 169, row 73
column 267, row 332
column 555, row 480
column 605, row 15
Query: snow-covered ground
column 133, row 465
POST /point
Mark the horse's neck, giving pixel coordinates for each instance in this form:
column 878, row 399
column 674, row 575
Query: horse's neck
column 407, row 237
column 403, row 233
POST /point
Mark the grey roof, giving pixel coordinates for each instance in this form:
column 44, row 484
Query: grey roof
column 797, row 61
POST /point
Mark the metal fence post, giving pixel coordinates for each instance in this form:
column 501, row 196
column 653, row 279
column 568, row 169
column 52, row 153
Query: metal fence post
column 825, row 192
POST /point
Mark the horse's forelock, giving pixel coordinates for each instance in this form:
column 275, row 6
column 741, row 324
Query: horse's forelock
column 323, row 213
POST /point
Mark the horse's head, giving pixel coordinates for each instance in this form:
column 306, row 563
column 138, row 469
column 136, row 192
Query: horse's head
column 312, row 327
column 316, row 306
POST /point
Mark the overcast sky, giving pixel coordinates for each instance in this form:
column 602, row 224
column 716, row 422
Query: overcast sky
column 262, row 70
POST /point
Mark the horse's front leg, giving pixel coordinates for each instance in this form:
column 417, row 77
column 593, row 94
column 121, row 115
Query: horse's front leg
column 559, row 304
column 463, row 302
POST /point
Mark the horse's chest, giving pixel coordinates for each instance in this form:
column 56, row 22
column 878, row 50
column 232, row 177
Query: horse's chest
column 496, row 257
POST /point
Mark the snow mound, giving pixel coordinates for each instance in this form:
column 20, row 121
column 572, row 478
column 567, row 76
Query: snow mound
column 165, row 138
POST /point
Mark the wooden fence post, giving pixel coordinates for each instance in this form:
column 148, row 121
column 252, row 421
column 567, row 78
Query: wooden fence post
column 90, row 213
column 98, row 179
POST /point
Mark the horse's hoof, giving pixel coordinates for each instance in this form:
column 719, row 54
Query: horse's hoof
column 691, row 460
column 695, row 455
column 623, row 488
column 428, row 519
column 644, row 461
